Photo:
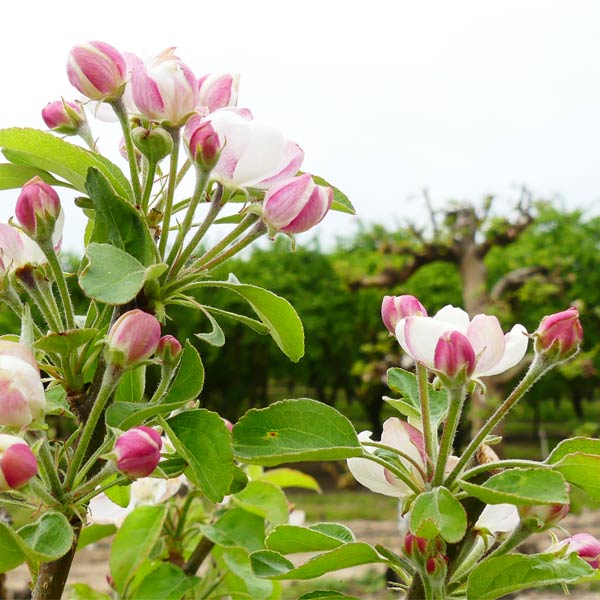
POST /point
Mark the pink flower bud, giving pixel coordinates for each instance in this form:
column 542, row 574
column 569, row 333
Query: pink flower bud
column 218, row 90
column 228, row 424
column 454, row 355
column 165, row 89
column 38, row 209
column 64, row 117
column 202, row 142
column 133, row 337
column 396, row 308
column 17, row 462
column 137, row 451
column 542, row 517
column 586, row 546
column 559, row 334
column 414, row 545
column 22, row 398
column 296, row 204
column 97, row 70
column 169, row 349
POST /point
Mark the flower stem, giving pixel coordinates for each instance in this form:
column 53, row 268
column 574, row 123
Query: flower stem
column 536, row 370
column 403, row 455
column 456, row 400
column 175, row 258
column 109, row 382
column 121, row 113
column 230, row 237
column 59, row 276
column 148, row 185
column 45, row 456
column 428, row 433
column 393, row 469
column 51, row 316
column 257, row 231
column 89, row 486
column 164, row 235
column 502, row 464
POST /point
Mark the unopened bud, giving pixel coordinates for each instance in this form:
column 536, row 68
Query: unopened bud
column 414, row 545
column 17, row 462
column 559, row 335
column 137, row 451
column 169, row 350
column 64, row 117
column 218, row 90
column 202, row 142
column 133, row 338
column 454, row 358
column 37, row 210
column 542, row 517
column 396, row 308
column 154, row 143
column 585, row 545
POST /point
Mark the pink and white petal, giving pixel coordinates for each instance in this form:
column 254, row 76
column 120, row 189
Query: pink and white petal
column 419, row 336
column 487, row 339
column 515, row 347
column 292, row 161
column 402, row 436
column 498, row 518
column 456, row 317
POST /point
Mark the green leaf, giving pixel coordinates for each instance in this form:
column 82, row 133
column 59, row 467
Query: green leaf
column 82, row 591
column 521, row 487
column 167, row 582
column 272, row 565
column 583, row 471
column 131, row 385
column 56, row 402
column 134, row 542
column 16, row 176
column 203, row 440
column 237, row 562
column 189, row 379
column 275, row 312
column 263, row 499
column 501, row 575
column 289, row 539
column 255, row 325
column 294, row 431
column 438, row 512
column 117, row 222
column 341, row 203
column 286, row 478
column 111, row 275
column 405, row 383
column 230, row 219
column 573, row 445
column 215, row 337
column 65, row 343
column 119, row 494
column 45, row 151
column 237, row 528
column 12, row 554
column 94, row 533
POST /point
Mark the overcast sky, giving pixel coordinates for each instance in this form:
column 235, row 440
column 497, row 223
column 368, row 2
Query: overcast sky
column 465, row 97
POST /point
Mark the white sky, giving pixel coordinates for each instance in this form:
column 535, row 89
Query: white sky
column 465, row 97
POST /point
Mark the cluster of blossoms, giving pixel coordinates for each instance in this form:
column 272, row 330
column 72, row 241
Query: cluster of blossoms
column 164, row 94
column 460, row 350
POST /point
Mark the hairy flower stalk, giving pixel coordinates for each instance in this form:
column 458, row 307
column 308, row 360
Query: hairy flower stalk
column 121, row 112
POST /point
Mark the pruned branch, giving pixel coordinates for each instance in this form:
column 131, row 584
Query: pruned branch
column 514, row 280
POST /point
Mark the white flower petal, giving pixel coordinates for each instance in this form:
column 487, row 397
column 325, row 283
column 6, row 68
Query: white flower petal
column 487, row 339
column 515, row 346
column 498, row 518
column 456, row 317
column 419, row 336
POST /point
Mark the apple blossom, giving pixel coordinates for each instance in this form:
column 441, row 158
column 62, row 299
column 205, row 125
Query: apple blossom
column 498, row 518
column 296, row 205
column 133, row 338
column 396, row 308
column 402, row 436
column 17, row 462
column 253, row 153
column 63, row 116
column 559, row 334
column 38, row 209
column 97, row 70
column 137, row 451
column 22, row 398
column 218, row 90
column 494, row 352
column 585, row 545
column 164, row 89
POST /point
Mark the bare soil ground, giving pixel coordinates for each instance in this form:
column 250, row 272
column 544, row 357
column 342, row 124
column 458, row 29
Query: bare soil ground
column 91, row 564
